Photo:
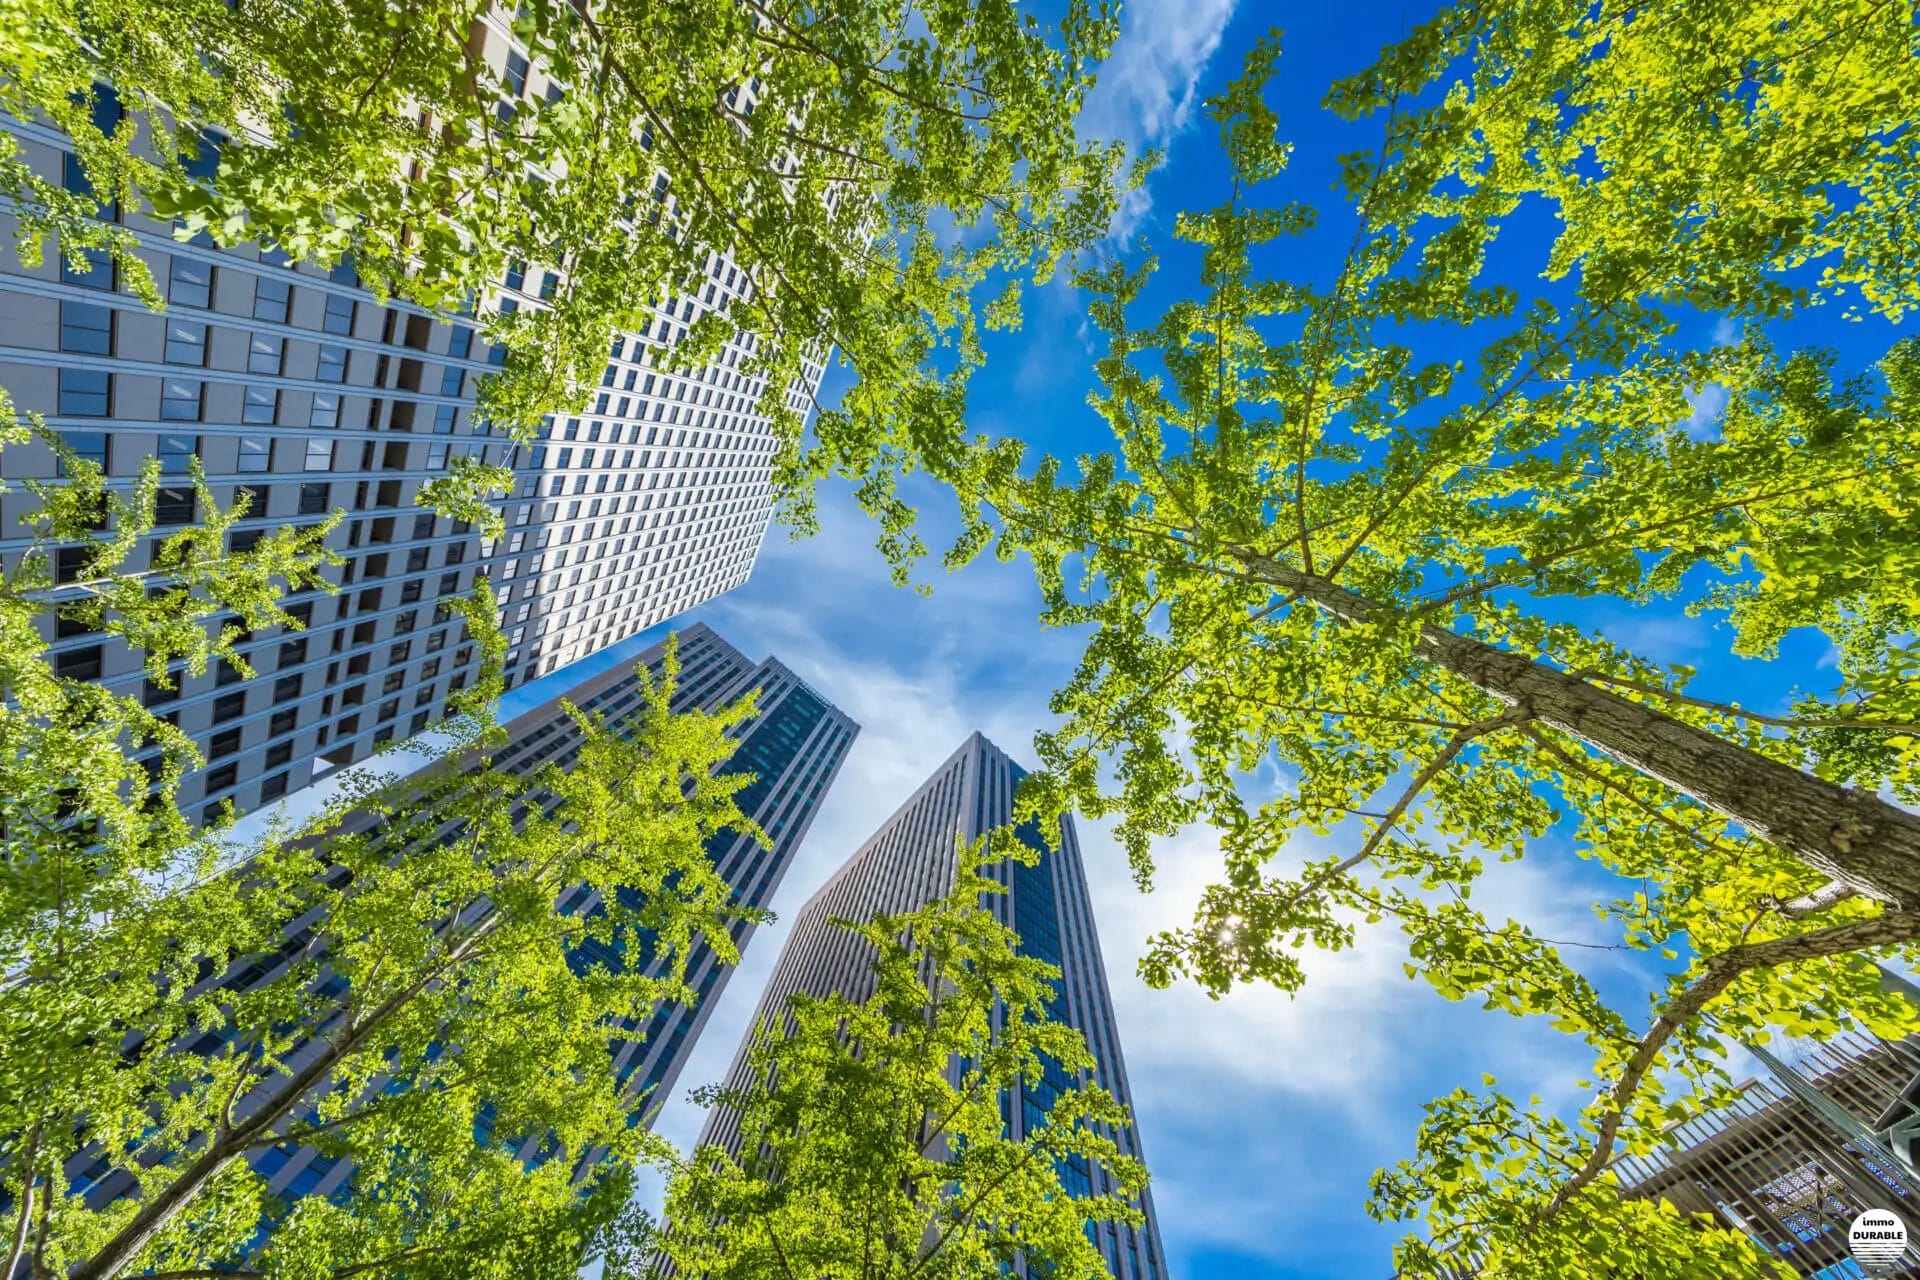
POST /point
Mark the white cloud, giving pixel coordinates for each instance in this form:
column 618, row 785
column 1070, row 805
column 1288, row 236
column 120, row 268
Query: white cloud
column 1147, row 88
column 1262, row 1114
column 1705, row 405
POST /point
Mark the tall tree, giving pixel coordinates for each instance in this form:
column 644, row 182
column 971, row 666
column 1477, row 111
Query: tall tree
column 871, row 1141
column 1316, row 545
column 433, row 1009
column 871, row 166
column 392, row 979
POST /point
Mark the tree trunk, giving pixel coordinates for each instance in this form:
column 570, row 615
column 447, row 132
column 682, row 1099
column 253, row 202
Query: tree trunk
column 228, row 1146
column 1843, row 833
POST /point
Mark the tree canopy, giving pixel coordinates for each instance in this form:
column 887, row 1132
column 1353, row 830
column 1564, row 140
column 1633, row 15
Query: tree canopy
column 391, row 979
column 1315, row 544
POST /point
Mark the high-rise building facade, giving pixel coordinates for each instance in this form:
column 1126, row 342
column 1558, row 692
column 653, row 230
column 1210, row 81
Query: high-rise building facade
column 295, row 386
column 794, row 744
column 909, row 862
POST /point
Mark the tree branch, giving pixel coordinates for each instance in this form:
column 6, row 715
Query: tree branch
column 1721, row 971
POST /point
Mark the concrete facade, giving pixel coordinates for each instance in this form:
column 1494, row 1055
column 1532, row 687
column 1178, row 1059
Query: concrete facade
column 294, row 384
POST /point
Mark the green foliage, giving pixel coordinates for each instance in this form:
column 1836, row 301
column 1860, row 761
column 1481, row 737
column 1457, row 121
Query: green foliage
column 1313, row 547
column 887, row 162
column 423, row 1016
column 871, row 1140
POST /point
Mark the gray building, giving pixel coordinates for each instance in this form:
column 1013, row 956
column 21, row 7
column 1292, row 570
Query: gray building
column 795, row 744
column 294, row 385
column 909, row 862
column 1824, row 1134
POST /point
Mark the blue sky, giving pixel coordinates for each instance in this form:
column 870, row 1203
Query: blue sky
column 1261, row 1115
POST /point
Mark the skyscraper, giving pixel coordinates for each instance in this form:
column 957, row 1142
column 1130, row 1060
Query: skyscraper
column 292, row 384
column 909, row 862
column 795, row 744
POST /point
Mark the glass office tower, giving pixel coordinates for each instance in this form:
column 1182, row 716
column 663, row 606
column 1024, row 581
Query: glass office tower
column 795, row 744
column 909, row 862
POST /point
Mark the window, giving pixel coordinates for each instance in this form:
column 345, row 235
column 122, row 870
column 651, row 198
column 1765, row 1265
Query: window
column 443, row 419
column 175, row 451
column 191, row 284
column 186, row 343
column 174, row 506
column 69, row 563
column 86, row 446
column 286, row 688
column 410, row 589
column 73, row 177
column 79, row 664
column 261, row 408
column 283, row 722
column 449, row 582
column 270, row 299
column 264, row 352
column 180, row 399
column 253, row 453
column 388, row 710
column 333, row 363
column 293, row 652
column 85, row 393
column 436, row 457
column 392, row 684
column 515, row 79
column 313, row 499
column 86, row 328
column 517, row 271
column 326, row 410
column 229, row 706
column 275, row 786
column 224, row 743
column 339, row 317
column 258, row 497
column 423, row 525
column 319, row 455
column 95, row 269
column 278, row 755
column 221, row 779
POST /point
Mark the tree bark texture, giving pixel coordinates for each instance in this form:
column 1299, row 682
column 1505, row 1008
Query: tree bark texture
column 1846, row 834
